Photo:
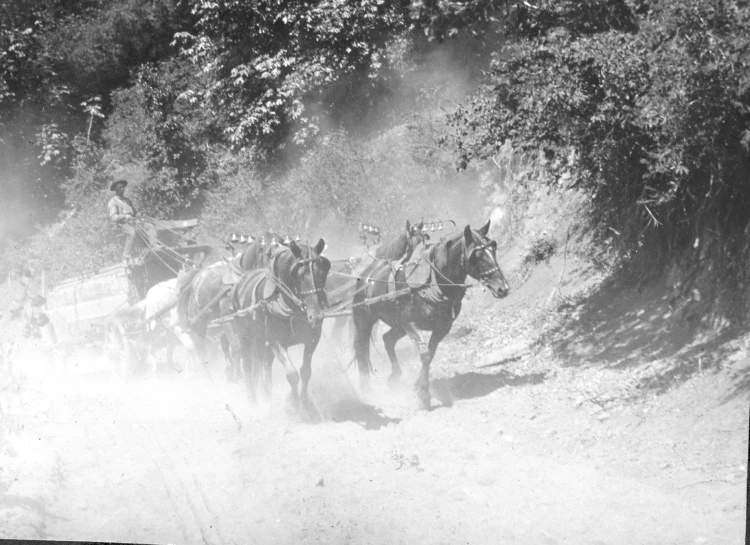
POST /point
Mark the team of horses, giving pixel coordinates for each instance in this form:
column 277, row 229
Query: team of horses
column 272, row 297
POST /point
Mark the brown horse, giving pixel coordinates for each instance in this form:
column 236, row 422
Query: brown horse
column 343, row 277
column 287, row 297
column 436, row 279
column 203, row 297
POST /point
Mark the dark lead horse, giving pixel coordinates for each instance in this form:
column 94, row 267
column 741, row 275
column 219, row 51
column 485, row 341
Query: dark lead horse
column 287, row 298
column 344, row 274
column 203, row 297
column 434, row 282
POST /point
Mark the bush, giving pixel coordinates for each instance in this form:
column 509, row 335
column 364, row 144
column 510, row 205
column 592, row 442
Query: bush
column 647, row 109
column 645, row 106
column 541, row 250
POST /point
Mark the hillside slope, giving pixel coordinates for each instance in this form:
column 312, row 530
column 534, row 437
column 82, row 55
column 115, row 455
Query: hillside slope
column 568, row 412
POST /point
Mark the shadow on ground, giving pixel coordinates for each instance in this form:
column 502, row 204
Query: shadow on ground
column 740, row 381
column 39, row 514
column 622, row 327
column 352, row 410
column 471, row 385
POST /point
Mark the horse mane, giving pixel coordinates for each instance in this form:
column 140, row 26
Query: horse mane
column 439, row 252
column 254, row 254
column 283, row 256
column 393, row 249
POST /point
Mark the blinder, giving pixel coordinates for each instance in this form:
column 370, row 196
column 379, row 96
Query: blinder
column 492, row 246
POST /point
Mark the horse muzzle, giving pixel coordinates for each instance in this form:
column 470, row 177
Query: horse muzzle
column 498, row 292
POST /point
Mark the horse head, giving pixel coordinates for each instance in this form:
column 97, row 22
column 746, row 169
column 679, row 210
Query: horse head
column 481, row 261
column 307, row 276
column 415, row 234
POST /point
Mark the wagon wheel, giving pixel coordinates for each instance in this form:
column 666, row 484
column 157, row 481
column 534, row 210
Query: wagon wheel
column 119, row 349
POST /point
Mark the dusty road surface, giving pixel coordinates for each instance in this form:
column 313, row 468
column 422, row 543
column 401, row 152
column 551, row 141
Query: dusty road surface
column 514, row 452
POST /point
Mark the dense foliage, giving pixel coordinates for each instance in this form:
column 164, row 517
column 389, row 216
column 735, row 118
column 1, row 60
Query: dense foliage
column 59, row 62
column 263, row 113
column 646, row 104
column 291, row 69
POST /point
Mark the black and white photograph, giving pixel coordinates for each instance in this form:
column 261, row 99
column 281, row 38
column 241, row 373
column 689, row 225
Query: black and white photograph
column 364, row 272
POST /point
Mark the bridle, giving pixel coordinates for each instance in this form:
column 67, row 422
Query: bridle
column 316, row 290
column 491, row 248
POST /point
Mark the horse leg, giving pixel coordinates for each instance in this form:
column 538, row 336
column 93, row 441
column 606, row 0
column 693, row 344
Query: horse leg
column 230, row 343
column 337, row 329
column 230, row 353
column 170, row 356
column 200, row 355
column 306, row 369
column 292, row 376
column 390, row 338
column 266, row 371
column 252, row 360
column 186, row 338
column 422, row 386
column 426, row 355
column 249, row 359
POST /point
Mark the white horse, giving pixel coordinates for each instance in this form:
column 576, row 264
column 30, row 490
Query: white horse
column 159, row 310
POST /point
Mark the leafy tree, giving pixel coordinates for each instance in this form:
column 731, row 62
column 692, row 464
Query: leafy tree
column 56, row 58
column 301, row 65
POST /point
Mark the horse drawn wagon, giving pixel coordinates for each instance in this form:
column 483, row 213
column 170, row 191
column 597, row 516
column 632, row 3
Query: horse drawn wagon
column 107, row 310
column 281, row 295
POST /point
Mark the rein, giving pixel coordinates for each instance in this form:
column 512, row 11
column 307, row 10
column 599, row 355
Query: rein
column 286, row 290
column 373, row 280
column 480, row 276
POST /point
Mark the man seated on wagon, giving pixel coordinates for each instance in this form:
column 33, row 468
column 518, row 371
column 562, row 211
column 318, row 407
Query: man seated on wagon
column 123, row 213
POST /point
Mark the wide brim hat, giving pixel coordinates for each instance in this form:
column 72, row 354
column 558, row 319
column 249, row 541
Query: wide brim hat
column 116, row 183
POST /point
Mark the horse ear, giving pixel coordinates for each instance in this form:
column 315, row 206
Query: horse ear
column 320, row 246
column 468, row 237
column 295, row 249
column 484, row 229
column 409, row 227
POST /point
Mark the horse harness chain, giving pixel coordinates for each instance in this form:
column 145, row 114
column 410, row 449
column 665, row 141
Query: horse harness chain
column 286, row 290
column 426, row 292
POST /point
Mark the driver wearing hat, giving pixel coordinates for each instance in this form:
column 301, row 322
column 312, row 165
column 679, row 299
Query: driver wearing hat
column 123, row 213
column 121, row 209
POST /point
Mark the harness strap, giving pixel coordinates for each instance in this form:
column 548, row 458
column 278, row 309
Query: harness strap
column 286, row 290
column 210, row 304
column 489, row 272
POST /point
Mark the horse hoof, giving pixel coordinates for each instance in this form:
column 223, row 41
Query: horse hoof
column 291, row 406
column 310, row 413
column 365, row 393
column 394, row 380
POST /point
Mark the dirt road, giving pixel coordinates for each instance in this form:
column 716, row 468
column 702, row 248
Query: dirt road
column 508, row 456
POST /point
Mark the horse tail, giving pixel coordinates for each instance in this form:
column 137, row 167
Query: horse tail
column 185, row 287
column 362, row 335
